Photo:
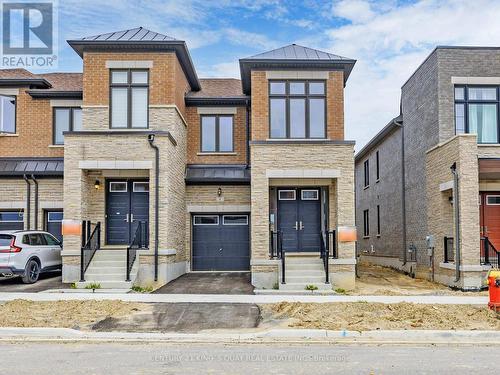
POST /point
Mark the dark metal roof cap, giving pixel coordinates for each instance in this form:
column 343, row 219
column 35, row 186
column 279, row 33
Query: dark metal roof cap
column 31, row 166
column 295, row 52
column 136, row 34
column 205, row 174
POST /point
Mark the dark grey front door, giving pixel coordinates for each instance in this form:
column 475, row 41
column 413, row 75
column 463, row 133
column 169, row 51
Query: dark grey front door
column 220, row 242
column 53, row 223
column 299, row 218
column 127, row 203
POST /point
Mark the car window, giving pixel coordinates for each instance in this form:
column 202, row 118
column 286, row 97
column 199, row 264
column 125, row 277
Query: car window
column 36, row 239
column 5, row 239
column 26, row 239
column 51, row 241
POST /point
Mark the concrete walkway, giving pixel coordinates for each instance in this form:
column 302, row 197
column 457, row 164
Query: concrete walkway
column 253, row 299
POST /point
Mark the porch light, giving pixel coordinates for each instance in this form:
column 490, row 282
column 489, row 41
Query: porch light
column 97, row 184
column 219, row 192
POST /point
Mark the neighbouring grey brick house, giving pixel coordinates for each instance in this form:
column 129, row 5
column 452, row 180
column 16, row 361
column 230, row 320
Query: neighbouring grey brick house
column 449, row 118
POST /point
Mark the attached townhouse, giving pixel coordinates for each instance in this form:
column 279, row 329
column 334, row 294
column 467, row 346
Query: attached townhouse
column 167, row 173
column 427, row 186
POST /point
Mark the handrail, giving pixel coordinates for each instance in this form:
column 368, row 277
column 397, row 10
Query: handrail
column 489, row 254
column 90, row 246
column 325, row 255
column 282, row 254
column 139, row 241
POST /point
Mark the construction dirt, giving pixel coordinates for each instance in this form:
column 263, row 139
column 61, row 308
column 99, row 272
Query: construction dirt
column 63, row 314
column 363, row 316
column 378, row 280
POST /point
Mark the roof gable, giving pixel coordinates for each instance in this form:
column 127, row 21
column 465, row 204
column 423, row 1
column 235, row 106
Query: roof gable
column 136, row 34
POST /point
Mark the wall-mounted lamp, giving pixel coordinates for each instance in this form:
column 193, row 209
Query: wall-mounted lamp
column 450, row 199
column 97, row 184
column 219, row 192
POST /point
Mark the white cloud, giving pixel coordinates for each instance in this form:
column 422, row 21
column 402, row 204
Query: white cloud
column 223, row 70
column 353, row 10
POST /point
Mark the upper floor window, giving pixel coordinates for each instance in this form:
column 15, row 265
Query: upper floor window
column 7, row 114
column 476, row 111
column 366, row 169
column 129, row 98
column 216, row 133
column 377, row 165
column 297, row 109
column 66, row 119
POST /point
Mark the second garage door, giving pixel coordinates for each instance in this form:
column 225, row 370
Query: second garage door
column 221, row 242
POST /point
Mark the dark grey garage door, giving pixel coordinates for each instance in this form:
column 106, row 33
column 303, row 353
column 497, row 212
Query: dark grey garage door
column 11, row 220
column 221, row 242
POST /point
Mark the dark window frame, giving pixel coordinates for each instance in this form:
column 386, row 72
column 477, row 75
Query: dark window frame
column 71, row 122
column 366, row 223
column 366, row 170
column 377, row 166
column 378, row 221
column 217, row 134
column 129, row 86
column 466, row 101
column 306, row 96
column 15, row 114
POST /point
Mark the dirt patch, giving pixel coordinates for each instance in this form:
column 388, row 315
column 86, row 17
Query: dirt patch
column 66, row 314
column 378, row 280
column 363, row 316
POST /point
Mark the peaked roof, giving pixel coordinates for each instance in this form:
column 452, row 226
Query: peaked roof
column 296, row 52
column 395, row 123
column 295, row 57
column 141, row 39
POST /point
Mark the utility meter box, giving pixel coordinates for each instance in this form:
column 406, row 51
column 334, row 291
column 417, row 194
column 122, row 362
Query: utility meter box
column 430, row 241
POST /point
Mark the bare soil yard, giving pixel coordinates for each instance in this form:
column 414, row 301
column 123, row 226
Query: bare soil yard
column 363, row 316
column 378, row 280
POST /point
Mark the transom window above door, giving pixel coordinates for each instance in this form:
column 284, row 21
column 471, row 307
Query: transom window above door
column 129, row 98
column 297, row 109
column 476, row 112
column 217, row 133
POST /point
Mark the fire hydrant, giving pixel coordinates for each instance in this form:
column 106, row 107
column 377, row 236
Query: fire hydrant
column 494, row 289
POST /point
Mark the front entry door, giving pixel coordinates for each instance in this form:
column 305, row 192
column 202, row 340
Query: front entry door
column 299, row 219
column 490, row 217
column 127, row 203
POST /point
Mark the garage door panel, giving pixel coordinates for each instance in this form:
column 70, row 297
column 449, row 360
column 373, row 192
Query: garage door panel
column 220, row 242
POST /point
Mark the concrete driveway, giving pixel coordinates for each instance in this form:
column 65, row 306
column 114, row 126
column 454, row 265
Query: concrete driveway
column 209, row 283
column 47, row 281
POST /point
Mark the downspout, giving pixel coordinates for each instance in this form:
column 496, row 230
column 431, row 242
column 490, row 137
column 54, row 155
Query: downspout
column 28, row 202
column 403, row 192
column 151, row 139
column 457, row 220
column 248, row 132
column 36, row 200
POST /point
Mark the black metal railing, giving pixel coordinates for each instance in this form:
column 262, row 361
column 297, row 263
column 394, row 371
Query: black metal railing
column 276, row 251
column 91, row 242
column 328, row 250
column 449, row 255
column 139, row 241
column 489, row 254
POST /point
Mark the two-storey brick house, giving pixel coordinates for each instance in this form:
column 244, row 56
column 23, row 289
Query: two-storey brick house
column 430, row 176
column 199, row 174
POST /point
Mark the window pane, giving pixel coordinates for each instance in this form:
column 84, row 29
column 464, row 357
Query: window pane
column 206, row 220
column 139, row 107
column 119, row 99
column 460, row 118
column 316, row 88
column 235, row 220
column 11, row 216
column 54, row 216
column 51, row 241
column 297, row 88
column 62, row 124
column 278, row 118
column 459, row 93
column 7, row 114
column 493, row 200
column 118, row 187
column 277, row 88
column 208, row 133
column 141, row 187
column 36, row 239
column 139, row 77
column 310, row 195
column 119, row 77
column 286, row 195
column 482, row 93
column 225, row 133
column 297, row 118
column 483, row 122
column 317, row 118
column 77, row 119
column 5, row 240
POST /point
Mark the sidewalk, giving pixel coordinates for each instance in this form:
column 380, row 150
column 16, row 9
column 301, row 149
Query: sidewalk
column 310, row 336
column 253, row 299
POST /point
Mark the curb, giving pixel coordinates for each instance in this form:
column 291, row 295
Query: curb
column 318, row 336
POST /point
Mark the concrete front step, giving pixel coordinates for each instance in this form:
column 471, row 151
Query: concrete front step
column 299, row 272
column 304, row 267
column 108, row 263
column 301, row 287
column 106, row 284
column 101, row 276
column 306, row 280
column 305, row 260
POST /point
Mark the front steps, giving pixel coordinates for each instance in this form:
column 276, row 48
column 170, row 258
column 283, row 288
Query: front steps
column 108, row 268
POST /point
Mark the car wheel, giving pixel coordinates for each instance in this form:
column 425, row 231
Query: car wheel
column 31, row 272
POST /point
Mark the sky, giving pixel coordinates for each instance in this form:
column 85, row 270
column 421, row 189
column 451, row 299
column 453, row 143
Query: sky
column 388, row 38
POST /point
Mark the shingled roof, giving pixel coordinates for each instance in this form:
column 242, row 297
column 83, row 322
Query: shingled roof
column 218, row 87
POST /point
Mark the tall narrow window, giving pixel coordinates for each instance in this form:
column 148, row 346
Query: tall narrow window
column 216, row 133
column 366, row 166
column 366, row 223
column 297, row 109
column 129, row 99
column 378, row 220
column 66, row 119
column 377, row 165
column 7, row 114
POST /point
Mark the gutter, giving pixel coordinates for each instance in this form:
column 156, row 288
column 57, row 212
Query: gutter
column 36, row 200
column 28, row 202
column 457, row 220
column 151, row 139
column 248, row 132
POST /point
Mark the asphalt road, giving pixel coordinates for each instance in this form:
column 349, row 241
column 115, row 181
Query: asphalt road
column 113, row 358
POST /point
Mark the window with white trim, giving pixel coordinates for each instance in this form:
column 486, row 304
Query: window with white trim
column 286, row 195
column 117, row 187
column 7, row 114
column 235, row 219
column 206, row 220
column 141, row 186
column 309, row 195
column 493, row 200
